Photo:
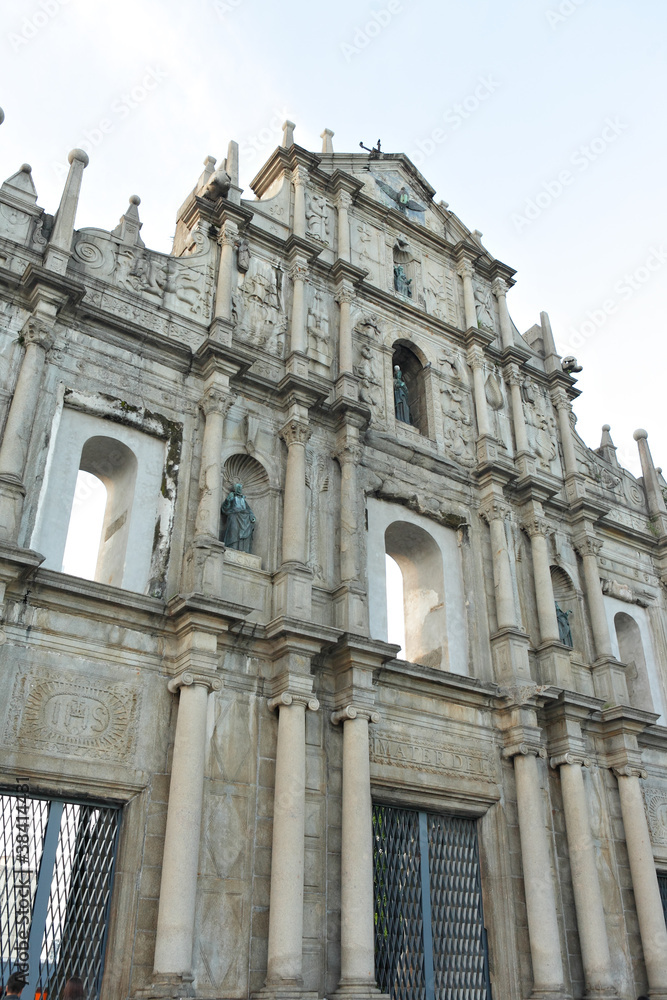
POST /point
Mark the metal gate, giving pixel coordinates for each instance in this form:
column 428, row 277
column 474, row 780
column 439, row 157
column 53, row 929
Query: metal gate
column 662, row 884
column 56, row 872
column 430, row 941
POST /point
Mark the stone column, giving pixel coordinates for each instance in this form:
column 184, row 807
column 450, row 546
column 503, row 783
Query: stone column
column 466, row 271
column 538, row 529
column 38, row 338
column 295, row 434
column 357, row 960
column 518, row 416
column 214, row 405
column 644, row 880
column 300, row 176
column 588, row 548
column 298, row 272
column 59, row 249
column 227, row 239
column 562, row 404
column 345, row 298
column 593, row 939
column 178, row 887
column 500, row 289
column 343, row 203
column 548, row 981
column 495, row 513
column 349, row 456
column 285, row 961
column 476, row 362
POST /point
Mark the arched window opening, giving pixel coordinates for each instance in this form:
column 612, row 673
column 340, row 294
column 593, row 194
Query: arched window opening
column 114, row 466
column 420, row 562
column 85, row 526
column 631, row 651
column 412, row 373
column 395, row 606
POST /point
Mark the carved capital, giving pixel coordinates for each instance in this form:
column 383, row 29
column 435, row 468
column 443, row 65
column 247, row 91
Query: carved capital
column 345, row 295
column 349, row 452
column 229, row 234
column 344, row 201
column 499, row 287
column 300, row 175
column 524, row 748
column 587, row 545
column 465, row 269
column 569, row 758
column 475, row 357
column 536, row 525
column 295, row 432
column 494, row 510
column 287, row 698
column 512, row 376
column 630, row 771
column 559, row 399
column 215, row 401
column 36, row 331
column 298, row 271
column 355, row 712
column 188, row 678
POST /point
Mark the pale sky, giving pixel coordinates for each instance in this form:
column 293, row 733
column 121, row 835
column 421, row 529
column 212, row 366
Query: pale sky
column 540, row 122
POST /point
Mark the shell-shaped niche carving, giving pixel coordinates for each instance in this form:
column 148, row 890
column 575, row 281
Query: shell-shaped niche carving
column 247, row 471
column 494, row 392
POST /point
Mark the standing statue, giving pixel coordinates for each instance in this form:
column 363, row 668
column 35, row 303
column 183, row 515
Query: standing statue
column 402, row 284
column 401, row 405
column 240, row 520
column 564, row 630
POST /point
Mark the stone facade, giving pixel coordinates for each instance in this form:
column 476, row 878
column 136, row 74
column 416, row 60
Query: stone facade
column 246, row 708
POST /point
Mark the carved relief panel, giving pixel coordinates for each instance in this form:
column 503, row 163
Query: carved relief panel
column 258, row 307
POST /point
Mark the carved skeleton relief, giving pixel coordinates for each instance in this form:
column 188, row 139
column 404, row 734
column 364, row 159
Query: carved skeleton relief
column 369, row 369
column 317, row 218
column 319, row 345
column 259, row 307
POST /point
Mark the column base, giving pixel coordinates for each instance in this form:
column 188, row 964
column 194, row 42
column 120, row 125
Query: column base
column 361, row 990
column 12, row 492
column 606, row 993
column 609, row 681
column 292, row 591
column 285, row 992
column 554, row 664
column 167, row 986
column 206, row 566
column 350, row 609
column 548, row 993
column 510, row 655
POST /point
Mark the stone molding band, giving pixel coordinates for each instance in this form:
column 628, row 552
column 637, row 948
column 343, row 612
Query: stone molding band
column 569, row 758
column 524, row 750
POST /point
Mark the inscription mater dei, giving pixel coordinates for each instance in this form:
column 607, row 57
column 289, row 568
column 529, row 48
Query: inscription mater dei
column 453, row 759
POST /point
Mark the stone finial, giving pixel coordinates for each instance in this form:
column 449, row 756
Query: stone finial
column 551, row 355
column 232, row 161
column 60, row 244
column 207, row 173
column 20, row 187
column 127, row 230
column 326, row 137
column 654, row 497
column 607, row 449
column 288, row 134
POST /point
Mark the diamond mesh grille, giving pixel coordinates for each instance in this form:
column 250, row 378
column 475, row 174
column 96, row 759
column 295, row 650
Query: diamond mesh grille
column 77, row 875
column 406, row 965
column 399, row 950
column 459, row 953
column 662, row 882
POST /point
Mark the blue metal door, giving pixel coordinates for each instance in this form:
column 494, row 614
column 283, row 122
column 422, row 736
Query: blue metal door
column 56, row 873
column 430, row 941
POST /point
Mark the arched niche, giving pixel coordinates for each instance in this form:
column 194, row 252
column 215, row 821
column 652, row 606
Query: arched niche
column 567, row 599
column 116, row 466
column 413, row 370
column 244, row 469
column 420, row 561
column 631, row 652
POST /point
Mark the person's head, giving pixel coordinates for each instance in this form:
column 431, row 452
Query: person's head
column 238, row 489
column 73, row 989
column 15, row 984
